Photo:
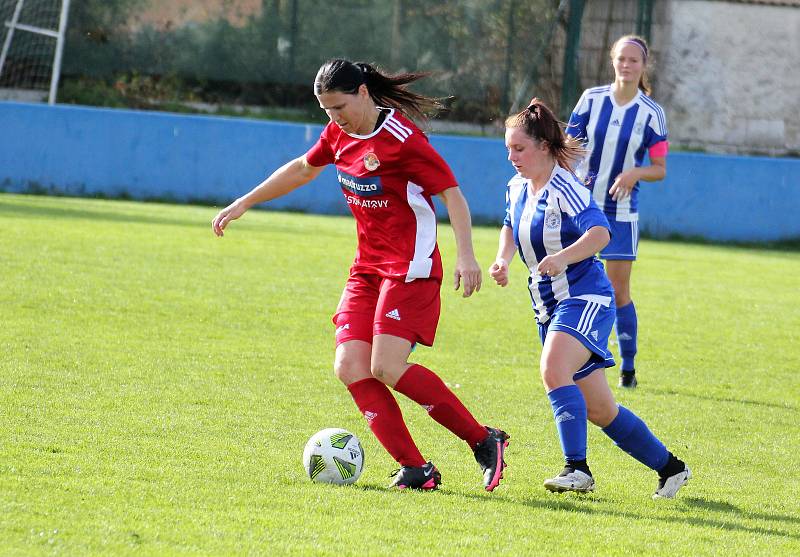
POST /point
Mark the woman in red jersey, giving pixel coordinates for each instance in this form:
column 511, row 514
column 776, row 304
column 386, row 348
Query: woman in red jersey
column 388, row 173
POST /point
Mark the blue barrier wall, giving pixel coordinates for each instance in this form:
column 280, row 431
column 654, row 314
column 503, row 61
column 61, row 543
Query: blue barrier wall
column 143, row 155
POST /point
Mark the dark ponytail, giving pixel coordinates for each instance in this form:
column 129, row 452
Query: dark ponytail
column 385, row 90
column 541, row 125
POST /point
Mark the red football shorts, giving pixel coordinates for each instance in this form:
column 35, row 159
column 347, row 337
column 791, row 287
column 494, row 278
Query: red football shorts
column 372, row 305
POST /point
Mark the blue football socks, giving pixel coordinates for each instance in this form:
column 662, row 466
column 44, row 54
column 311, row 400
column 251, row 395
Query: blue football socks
column 569, row 411
column 632, row 435
column 627, row 326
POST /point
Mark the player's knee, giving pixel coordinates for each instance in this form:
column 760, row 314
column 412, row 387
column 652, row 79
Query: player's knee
column 553, row 377
column 347, row 372
column 601, row 414
column 379, row 371
column 385, row 371
column 622, row 298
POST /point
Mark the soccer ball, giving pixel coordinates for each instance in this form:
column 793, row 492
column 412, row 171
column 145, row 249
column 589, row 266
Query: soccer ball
column 333, row 456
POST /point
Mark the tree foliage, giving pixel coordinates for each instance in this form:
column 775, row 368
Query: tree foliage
column 476, row 50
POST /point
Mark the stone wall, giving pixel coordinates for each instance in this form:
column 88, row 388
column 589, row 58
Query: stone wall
column 726, row 73
column 730, row 78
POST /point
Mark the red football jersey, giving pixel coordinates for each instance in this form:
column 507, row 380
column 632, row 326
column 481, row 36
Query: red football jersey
column 388, row 178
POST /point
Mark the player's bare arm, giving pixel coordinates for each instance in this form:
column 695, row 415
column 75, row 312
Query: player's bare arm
column 622, row 186
column 505, row 251
column 467, row 268
column 595, row 239
column 287, row 178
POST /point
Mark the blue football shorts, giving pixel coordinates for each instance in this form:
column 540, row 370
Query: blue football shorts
column 624, row 243
column 588, row 321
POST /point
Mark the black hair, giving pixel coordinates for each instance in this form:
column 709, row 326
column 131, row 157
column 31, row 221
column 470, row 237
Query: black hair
column 384, row 89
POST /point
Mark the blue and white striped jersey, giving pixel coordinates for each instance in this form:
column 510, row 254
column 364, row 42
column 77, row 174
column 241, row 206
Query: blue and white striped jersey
column 548, row 221
column 616, row 138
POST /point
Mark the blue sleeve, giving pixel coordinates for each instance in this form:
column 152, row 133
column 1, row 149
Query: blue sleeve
column 651, row 137
column 655, row 128
column 507, row 218
column 589, row 217
column 579, row 119
column 577, row 126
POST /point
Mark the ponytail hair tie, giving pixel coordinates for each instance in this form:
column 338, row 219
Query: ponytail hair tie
column 366, row 70
column 533, row 106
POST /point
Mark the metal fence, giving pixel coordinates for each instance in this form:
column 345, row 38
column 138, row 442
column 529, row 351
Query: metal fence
column 488, row 55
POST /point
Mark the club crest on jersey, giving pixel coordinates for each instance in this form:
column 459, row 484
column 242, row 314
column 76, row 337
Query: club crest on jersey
column 552, row 219
column 371, row 162
column 638, row 129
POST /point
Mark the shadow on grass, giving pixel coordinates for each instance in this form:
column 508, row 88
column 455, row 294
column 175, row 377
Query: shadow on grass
column 592, row 504
column 50, row 212
column 789, row 244
column 724, row 506
column 28, row 211
column 781, row 405
column 689, row 504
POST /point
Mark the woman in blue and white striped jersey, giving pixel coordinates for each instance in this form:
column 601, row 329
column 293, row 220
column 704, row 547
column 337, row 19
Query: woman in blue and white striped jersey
column 618, row 124
column 557, row 228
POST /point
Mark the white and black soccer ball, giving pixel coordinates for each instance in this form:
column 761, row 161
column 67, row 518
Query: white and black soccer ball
column 333, row 456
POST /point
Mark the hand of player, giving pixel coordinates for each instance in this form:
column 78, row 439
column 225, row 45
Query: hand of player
column 468, row 271
column 229, row 213
column 551, row 266
column 499, row 272
column 622, row 186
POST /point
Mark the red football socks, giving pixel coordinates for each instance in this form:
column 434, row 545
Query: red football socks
column 385, row 419
column 426, row 389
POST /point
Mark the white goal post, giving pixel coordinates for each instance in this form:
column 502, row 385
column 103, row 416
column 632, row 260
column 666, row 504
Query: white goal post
column 15, row 25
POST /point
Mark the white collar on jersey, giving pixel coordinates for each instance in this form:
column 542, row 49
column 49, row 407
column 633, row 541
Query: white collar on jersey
column 389, row 114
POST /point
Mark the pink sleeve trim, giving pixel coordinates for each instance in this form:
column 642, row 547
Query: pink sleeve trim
column 660, row 149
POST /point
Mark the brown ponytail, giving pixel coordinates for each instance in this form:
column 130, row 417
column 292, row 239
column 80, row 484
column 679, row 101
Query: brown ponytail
column 541, row 125
column 384, row 89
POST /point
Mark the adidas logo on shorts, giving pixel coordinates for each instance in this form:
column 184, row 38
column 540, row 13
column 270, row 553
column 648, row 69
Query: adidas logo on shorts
column 394, row 314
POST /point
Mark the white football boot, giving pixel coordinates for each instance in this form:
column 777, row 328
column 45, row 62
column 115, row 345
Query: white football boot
column 669, row 486
column 570, row 480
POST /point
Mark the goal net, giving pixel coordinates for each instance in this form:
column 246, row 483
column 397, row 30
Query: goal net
column 31, row 45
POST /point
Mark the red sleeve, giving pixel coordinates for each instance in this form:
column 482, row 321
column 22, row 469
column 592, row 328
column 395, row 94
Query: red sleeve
column 426, row 167
column 321, row 154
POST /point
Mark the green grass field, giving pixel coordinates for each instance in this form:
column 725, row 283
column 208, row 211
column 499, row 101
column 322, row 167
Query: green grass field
column 158, row 384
